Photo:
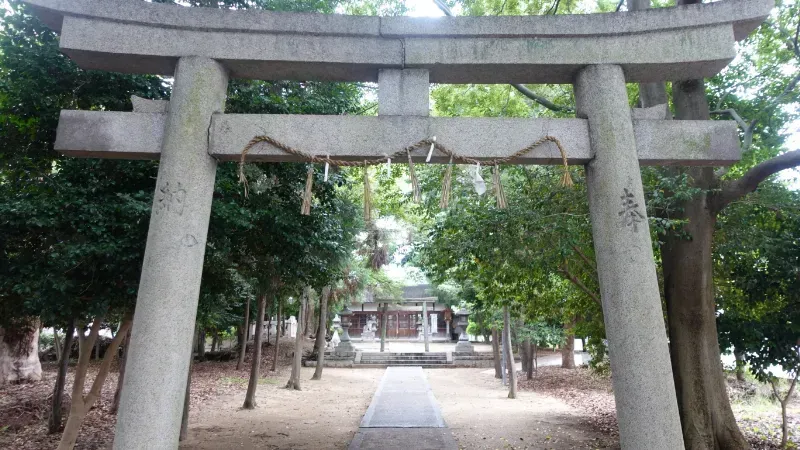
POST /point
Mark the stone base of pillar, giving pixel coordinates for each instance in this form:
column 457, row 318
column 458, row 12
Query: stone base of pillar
column 344, row 348
column 464, row 347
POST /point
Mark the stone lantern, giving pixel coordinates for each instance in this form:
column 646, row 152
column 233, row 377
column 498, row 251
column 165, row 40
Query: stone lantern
column 461, row 322
column 346, row 346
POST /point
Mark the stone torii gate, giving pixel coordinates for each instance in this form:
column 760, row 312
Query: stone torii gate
column 202, row 48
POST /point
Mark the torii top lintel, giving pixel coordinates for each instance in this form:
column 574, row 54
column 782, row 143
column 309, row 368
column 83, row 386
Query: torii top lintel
column 691, row 41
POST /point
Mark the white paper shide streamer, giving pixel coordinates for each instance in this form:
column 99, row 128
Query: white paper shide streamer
column 477, row 180
column 430, row 152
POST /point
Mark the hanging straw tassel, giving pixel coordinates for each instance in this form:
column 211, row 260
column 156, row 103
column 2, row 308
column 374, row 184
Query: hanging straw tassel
column 306, row 208
column 414, row 181
column 367, row 196
column 242, row 176
column 444, row 202
column 498, row 188
column 566, row 178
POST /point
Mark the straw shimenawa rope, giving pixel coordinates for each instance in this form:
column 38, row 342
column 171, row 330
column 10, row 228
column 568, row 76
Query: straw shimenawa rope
column 305, row 209
column 566, row 178
column 444, row 202
column 416, row 196
column 498, row 188
column 367, row 195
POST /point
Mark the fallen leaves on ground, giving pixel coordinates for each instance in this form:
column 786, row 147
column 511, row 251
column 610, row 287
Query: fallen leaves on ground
column 759, row 420
column 24, row 408
column 582, row 390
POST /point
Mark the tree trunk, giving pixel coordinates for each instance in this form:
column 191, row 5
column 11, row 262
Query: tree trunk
column 498, row 371
column 523, row 357
column 19, row 352
column 294, row 379
column 184, row 433
column 278, row 323
column 512, row 370
column 529, row 352
column 56, row 342
column 214, row 341
column 308, row 316
column 568, row 350
column 250, row 397
column 784, row 424
column 54, row 420
column 201, row 344
column 321, row 332
column 82, row 404
column 269, row 324
column 706, row 416
column 122, row 364
column 384, row 323
column 245, row 332
column 76, row 415
column 740, row 363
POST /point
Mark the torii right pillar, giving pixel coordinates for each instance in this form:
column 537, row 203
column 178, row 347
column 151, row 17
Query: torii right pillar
column 644, row 390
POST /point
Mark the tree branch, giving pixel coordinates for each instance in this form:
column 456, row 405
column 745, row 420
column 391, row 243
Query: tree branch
column 795, row 45
column 748, row 128
column 443, row 6
column 794, row 382
column 619, row 5
column 732, row 112
column 554, row 8
column 541, row 100
column 521, row 88
column 111, row 353
column 587, row 261
column 572, row 278
column 735, row 189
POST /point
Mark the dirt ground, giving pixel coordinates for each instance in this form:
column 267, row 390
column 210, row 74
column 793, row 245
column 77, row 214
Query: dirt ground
column 758, row 416
column 476, row 408
column 324, row 415
column 559, row 409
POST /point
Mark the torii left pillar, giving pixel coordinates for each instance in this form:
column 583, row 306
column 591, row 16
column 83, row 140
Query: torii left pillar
column 166, row 308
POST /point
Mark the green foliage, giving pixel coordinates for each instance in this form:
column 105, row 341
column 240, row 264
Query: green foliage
column 757, row 266
column 71, row 231
column 515, row 256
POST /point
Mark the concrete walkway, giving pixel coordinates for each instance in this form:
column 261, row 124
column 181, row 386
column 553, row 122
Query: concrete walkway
column 404, row 415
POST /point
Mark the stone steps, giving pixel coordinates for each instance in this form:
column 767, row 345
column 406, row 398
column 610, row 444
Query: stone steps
column 403, row 359
column 410, row 358
column 383, row 366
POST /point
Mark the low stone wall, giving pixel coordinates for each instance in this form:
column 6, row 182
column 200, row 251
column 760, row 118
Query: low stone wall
column 475, row 359
column 345, row 359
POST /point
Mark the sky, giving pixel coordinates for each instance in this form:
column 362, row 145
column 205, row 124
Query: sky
column 423, row 8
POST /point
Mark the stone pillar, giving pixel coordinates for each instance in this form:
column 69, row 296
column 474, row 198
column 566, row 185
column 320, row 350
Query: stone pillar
column 403, row 92
column 161, row 340
column 644, row 390
column 426, row 327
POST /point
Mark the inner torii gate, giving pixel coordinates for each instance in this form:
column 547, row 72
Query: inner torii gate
column 202, row 48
